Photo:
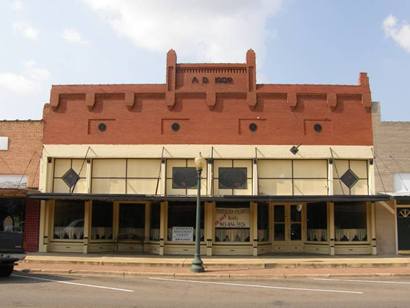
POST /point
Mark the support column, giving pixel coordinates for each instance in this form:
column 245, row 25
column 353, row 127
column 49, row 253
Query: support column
column 42, row 241
column 116, row 225
column 88, row 175
column 270, row 222
column 304, row 222
column 210, row 176
column 373, row 226
column 163, row 178
column 49, row 172
column 331, row 227
column 147, row 221
column 330, row 177
column 209, row 225
column 370, row 180
column 48, row 223
column 87, row 225
column 254, row 227
column 255, row 178
column 163, row 226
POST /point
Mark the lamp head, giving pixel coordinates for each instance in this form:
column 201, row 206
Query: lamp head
column 199, row 162
column 294, row 149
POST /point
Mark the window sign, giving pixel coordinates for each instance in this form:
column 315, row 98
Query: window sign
column 184, row 177
column 232, row 218
column 232, row 178
column 182, row 234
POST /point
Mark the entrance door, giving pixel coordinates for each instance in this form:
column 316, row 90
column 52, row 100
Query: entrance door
column 287, row 225
column 131, row 227
column 403, row 228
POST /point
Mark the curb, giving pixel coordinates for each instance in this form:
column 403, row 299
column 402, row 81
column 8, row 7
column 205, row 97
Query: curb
column 217, row 265
column 204, row 275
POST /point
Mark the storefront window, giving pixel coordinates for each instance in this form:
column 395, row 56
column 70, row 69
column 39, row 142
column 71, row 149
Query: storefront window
column 182, row 220
column 11, row 215
column 350, row 222
column 132, row 222
column 296, row 222
column 317, row 222
column 101, row 222
column 232, row 222
column 279, row 222
column 155, row 221
column 69, row 220
column 263, row 222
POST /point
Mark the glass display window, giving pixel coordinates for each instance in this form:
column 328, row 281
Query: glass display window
column 232, row 222
column 131, row 222
column 182, row 220
column 317, row 222
column 68, row 220
column 350, row 222
column 102, row 220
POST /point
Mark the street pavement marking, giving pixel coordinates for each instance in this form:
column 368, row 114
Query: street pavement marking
column 363, row 281
column 257, row 286
column 73, row 283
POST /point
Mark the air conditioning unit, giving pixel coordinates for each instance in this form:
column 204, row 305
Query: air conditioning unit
column 4, row 143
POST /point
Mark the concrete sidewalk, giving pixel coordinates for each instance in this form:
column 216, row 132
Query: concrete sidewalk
column 224, row 267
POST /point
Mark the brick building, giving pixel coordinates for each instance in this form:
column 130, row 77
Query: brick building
column 20, row 152
column 290, row 168
column 392, row 174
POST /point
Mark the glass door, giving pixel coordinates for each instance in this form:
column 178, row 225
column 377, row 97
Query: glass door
column 131, row 222
column 279, row 223
column 295, row 222
column 287, row 222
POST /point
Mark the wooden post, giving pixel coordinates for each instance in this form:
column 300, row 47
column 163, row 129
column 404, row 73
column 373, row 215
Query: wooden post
column 209, row 225
column 163, row 227
column 330, row 163
column 254, row 227
column 163, row 178
column 87, row 225
column 116, row 225
column 147, row 229
column 331, row 227
column 49, row 175
column 270, row 222
column 88, row 175
column 255, row 178
column 304, row 222
column 42, row 240
column 372, row 205
column 210, row 175
column 48, row 227
column 370, row 180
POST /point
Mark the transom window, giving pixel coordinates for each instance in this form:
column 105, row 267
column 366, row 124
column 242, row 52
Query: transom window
column 233, row 178
column 184, row 177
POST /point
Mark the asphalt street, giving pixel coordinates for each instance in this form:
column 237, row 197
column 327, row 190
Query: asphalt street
column 27, row 290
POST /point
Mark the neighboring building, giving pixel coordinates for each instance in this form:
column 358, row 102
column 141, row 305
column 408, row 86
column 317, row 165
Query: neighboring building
column 20, row 151
column 392, row 173
column 289, row 167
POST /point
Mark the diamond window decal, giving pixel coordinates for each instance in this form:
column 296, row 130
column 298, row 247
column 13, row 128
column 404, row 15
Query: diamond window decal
column 349, row 178
column 70, row 178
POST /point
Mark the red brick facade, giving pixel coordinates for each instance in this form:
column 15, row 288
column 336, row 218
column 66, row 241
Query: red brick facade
column 23, row 158
column 24, row 152
column 213, row 104
column 31, row 225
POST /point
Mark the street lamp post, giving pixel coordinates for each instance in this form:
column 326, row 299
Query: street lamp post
column 197, row 264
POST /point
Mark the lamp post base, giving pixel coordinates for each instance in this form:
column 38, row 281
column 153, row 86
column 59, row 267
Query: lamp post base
column 197, row 266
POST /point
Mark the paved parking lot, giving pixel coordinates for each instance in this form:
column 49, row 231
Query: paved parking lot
column 27, row 290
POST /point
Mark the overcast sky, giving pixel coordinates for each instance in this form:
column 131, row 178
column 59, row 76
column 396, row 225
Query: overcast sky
column 45, row 42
